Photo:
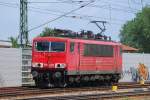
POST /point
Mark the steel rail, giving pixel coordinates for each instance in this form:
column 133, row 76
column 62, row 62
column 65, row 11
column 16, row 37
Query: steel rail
column 22, row 91
column 96, row 96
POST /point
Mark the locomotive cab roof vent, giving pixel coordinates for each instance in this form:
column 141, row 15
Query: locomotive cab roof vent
column 89, row 35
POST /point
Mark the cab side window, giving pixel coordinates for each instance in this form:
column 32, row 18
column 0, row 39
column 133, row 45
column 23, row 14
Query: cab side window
column 120, row 50
column 72, row 46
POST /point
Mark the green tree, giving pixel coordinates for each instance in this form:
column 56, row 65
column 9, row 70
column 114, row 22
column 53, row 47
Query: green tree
column 14, row 42
column 48, row 32
column 136, row 33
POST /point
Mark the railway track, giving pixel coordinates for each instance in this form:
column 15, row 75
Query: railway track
column 25, row 92
column 100, row 96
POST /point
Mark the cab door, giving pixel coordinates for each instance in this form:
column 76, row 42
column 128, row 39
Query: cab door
column 73, row 57
column 116, row 58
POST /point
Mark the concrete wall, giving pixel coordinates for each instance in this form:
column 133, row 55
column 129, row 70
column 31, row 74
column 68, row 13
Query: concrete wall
column 11, row 64
column 130, row 65
column 10, row 67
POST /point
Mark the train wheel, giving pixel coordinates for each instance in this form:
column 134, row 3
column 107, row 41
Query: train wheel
column 36, row 82
column 39, row 84
column 42, row 84
column 115, row 79
column 63, row 85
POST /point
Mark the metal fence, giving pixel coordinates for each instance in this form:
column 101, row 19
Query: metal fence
column 26, row 67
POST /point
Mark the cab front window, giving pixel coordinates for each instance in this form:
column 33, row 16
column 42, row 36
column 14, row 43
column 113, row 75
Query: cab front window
column 42, row 46
column 50, row 46
column 57, row 46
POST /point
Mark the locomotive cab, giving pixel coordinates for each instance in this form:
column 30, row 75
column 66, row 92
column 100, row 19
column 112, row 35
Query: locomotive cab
column 48, row 61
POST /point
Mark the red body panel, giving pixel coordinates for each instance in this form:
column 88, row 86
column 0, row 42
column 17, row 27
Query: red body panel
column 48, row 58
column 76, row 61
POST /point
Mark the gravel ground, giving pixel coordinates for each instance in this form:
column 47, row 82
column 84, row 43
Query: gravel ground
column 132, row 98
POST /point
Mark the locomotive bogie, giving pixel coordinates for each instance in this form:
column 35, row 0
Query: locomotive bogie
column 59, row 79
column 49, row 79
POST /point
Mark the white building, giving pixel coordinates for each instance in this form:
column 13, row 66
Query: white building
column 5, row 44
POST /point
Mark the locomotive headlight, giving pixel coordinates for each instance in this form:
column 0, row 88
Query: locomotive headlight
column 60, row 65
column 33, row 64
column 40, row 65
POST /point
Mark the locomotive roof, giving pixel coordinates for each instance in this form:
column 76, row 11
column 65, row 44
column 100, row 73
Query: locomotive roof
column 92, row 41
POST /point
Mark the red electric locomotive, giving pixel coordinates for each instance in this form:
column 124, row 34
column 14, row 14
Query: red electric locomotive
column 60, row 61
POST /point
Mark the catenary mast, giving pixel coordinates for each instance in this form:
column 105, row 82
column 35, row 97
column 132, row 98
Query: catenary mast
column 23, row 23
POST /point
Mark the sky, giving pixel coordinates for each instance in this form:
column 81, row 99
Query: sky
column 115, row 12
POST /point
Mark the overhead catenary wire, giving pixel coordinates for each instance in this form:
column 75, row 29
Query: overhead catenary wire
column 102, row 6
column 61, row 16
column 106, row 7
column 14, row 5
column 129, row 5
column 97, row 6
column 70, row 1
column 74, row 16
column 84, row 17
column 8, row 5
column 44, row 2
